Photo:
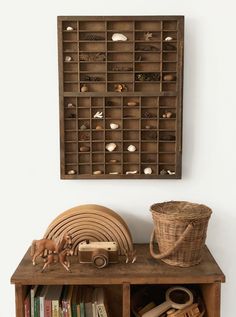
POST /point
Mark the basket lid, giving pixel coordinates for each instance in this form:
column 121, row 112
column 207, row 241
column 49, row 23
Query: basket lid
column 182, row 210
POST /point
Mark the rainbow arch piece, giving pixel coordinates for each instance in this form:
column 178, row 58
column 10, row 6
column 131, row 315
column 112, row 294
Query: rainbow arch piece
column 91, row 222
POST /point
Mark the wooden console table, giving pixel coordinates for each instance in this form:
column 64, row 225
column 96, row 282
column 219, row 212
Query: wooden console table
column 121, row 279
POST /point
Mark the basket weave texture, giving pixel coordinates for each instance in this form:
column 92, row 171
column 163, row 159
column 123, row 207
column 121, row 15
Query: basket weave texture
column 180, row 230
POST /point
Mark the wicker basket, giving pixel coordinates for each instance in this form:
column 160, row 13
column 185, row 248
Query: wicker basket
column 180, row 228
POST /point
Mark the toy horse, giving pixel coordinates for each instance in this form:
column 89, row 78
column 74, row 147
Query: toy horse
column 39, row 246
column 61, row 257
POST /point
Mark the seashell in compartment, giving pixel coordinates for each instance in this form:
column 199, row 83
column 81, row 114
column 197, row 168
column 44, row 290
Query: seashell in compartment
column 114, row 126
column 71, row 172
column 131, row 172
column 69, row 28
column 84, row 88
column 169, row 77
column 68, row 58
column 113, row 161
column 147, row 171
column 99, row 127
column 132, row 103
column 167, row 114
column 120, row 87
column 168, row 38
column 118, row 37
column 110, row 147
column 98, row 172
column 131, row 148
column 70, row 105
column 170, row 172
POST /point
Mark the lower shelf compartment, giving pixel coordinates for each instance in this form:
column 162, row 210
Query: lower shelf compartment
column 180, row 301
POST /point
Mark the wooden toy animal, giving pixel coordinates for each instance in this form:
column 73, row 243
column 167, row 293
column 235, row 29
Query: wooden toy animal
column 56, row 246
column 62, row 257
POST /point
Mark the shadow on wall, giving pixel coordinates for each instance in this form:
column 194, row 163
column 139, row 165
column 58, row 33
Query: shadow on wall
column 140, row 228
column 190, row 98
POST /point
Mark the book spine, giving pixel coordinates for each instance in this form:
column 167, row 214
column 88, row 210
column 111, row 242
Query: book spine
column 55, row 308
column 27, row 307
column 47, row 308
column 101, row 310
column 74, row 310
column 82, row 310
column 32, row 294
column 41, row 307
column 36, row 307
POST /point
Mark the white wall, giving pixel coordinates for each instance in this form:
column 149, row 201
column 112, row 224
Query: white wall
column 32, row 194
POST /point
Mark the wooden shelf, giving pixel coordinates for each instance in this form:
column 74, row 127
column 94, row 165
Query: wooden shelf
column 139, row 65
column 122, row 279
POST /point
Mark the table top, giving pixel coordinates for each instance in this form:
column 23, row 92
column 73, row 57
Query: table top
column 145, row 270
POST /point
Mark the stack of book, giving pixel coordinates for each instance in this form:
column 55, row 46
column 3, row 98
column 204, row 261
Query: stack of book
column 65, row 301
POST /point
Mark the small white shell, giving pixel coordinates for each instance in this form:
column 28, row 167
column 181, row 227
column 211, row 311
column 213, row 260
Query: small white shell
column 131, row 172
column 69, row 28
column 131, row 148
column 98, row 172
column 168, row 38
column 71, row 172
column 70, row 105
column 110, row 147
column 147, row 171
column 68, row 58
column 119, row 37
column 114, row 126
column 170, row 172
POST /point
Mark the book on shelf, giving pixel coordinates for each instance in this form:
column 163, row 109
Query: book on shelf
column 37, row 301
column 42, row 301
column 101, row 302
column 66, row 303
column 82, row 305
column 88, row 298
column 53, row 301
column 78, row 302
column 74, row 301
column 32, row 295
column 27, row 308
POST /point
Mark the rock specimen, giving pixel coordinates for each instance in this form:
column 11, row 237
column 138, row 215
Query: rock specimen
column 84, row 148
column 169, row 77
